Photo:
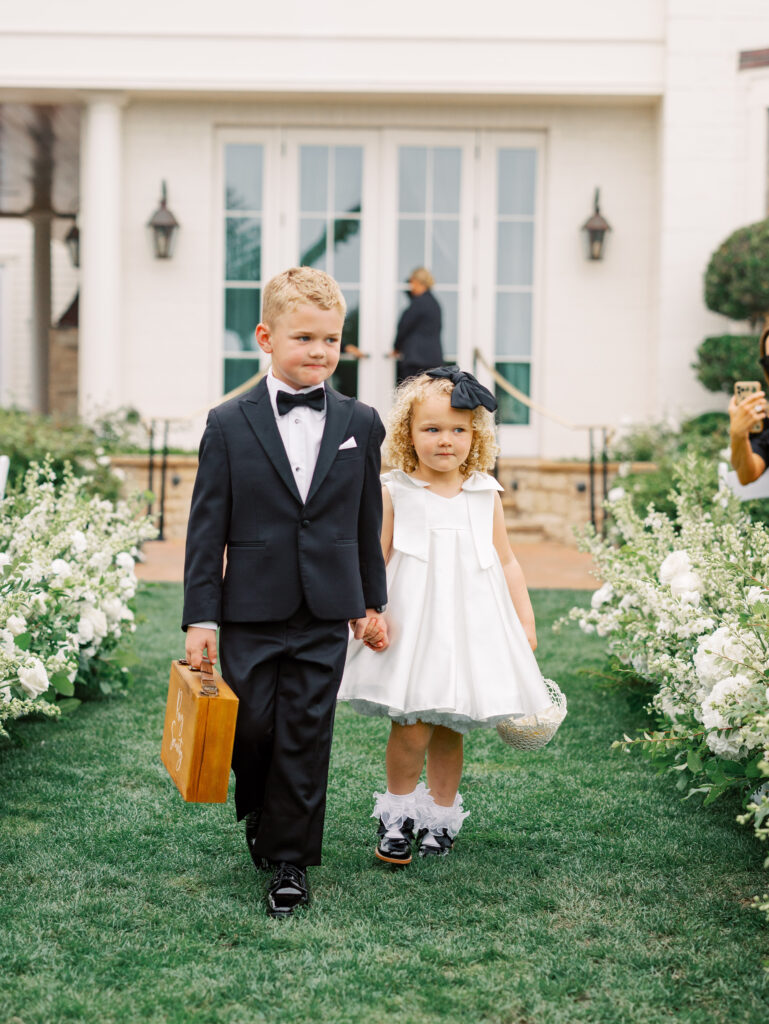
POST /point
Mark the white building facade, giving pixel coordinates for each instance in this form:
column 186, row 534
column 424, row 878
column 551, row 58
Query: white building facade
column 468, row 138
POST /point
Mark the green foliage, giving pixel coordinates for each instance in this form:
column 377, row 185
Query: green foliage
column 27, row 437
column 580, row 890
column 737, row 278
column 727, row 358
column 706, row 435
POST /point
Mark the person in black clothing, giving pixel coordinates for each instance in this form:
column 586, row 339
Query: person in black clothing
column 750, row 452
column 418, row 341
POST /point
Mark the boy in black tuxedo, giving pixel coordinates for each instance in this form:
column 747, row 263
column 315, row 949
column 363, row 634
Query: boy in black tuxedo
column 288, row 483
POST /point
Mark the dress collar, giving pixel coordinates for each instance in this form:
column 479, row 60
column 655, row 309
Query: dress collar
column 475, row 482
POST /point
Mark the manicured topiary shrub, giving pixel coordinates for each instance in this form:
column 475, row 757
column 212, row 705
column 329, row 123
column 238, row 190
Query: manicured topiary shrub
column 726, row 358
column 737, row 278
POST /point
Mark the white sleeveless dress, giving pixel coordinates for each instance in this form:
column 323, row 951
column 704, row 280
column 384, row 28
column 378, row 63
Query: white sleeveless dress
column 458, row 655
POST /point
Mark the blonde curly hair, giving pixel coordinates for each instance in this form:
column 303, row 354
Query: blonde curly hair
column 399, row 450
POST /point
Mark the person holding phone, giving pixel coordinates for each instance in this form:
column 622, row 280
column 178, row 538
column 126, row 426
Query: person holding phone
column 749, row 446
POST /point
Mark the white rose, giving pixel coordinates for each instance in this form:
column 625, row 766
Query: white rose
column 5, row 559
column 118, row 473
column 728, row 692
column 60, row 568
column 104, row 460
column 100, row 560
column 113, row 608
column 84, row 630
column 99, row 620
column 623, row 469
column 124, row 561
column 128, row 586
column 34, row 678
column 16, row 624
column 755, row 594
column 79, row 543
column 684, row 582
column 726, row 744
column 602, row 595
column 615, row 494
column 676, row 563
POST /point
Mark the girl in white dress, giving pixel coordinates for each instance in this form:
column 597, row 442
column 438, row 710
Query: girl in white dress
column 460, row 626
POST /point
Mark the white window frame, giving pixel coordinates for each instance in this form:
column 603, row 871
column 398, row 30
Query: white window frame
column 523, row 439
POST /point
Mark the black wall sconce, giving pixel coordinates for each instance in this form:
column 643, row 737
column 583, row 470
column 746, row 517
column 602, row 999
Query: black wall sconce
column 164, row 227
column 72, row 242
column 596, row 228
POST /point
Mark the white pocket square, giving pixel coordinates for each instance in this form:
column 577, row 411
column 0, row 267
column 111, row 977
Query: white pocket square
column 349, row 443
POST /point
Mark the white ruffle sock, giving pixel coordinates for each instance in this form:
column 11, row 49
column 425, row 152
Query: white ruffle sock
column 435, row 818
column 395, row 809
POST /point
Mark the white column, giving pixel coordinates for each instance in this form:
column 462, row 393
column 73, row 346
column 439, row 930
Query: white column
column 99, row 355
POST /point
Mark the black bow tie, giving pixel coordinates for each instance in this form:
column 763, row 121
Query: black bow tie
column 316, row 399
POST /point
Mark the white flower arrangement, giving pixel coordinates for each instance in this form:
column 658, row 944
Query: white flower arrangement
column 66, row 574
column 685, row 605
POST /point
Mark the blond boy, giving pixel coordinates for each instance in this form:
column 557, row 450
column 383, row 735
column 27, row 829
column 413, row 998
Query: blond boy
column 288, row 485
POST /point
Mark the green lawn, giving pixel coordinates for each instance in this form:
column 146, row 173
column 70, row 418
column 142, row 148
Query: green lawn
column 581, row 887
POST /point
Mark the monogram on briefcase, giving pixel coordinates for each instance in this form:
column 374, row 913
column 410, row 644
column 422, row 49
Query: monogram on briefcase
column 199, row 732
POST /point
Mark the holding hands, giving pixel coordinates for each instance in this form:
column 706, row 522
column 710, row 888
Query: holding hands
column 372, row 631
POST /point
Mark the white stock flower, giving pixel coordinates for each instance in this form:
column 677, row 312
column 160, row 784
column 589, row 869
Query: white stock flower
column 16, row 624
column 676, row 563
column 34, row 678
column 602, row 595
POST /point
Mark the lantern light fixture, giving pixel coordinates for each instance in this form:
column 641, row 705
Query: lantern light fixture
column 164, row 227
column 596, row 228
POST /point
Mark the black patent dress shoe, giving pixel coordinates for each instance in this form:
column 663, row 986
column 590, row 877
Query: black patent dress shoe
column 442, row 845
column 287, row 890
column 395, row 849
column 252, row 820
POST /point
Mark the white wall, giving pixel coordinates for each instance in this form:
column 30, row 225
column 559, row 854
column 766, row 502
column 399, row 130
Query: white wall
column 552, row 47
column 598, row 318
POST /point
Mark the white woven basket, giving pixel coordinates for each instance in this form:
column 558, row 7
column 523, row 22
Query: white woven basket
column 529, row 732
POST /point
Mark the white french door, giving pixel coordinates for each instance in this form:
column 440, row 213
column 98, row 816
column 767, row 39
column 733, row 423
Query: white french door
column 369, row 207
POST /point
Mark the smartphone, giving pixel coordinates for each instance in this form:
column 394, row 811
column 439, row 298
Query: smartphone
column 744, row 389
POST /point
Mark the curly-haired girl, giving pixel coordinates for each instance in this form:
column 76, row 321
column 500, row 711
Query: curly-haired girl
column 460, row 622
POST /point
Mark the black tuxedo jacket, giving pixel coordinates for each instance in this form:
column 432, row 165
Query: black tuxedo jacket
column 281, row 550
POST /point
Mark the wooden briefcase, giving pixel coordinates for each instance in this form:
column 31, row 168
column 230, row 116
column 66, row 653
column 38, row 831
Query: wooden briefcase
column 199, row 732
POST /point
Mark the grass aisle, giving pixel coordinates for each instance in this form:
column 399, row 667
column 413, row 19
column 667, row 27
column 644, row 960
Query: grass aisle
column 581, row 888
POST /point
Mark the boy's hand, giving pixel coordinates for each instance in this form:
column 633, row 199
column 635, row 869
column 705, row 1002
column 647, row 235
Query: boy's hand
column 372, row 630
column 200, row 641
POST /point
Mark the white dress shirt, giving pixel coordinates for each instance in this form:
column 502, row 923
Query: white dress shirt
column 301, row 430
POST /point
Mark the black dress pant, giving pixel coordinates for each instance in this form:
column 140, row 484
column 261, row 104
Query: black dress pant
column 286, row 675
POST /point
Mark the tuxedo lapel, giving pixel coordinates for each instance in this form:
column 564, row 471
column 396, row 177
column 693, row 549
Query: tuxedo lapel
column 338, row 415
column 257, row 408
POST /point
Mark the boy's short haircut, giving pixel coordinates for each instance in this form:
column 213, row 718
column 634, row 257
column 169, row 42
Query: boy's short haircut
column 300, row 286
column 423, row 276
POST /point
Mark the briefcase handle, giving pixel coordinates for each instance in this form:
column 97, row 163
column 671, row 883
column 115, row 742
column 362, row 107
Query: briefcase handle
column 208, row 687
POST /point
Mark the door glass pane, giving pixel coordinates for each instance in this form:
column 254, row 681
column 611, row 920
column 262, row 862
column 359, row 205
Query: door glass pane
column 446, row 175
column 517, row 181
column 241, row 315
column 347, row 250
column 513, row 335
column 313, row 191
column 445, row 251
column 345, row 377
column 312, row 242
column 515, row 253
column 237, row 372
column 243, row 177
column 510, row 409
column 243, row 248
column 348, row 179
column 411, row 247
column 412, row 179
column 449, row 302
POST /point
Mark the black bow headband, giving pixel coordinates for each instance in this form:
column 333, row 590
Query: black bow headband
column 468, row 393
